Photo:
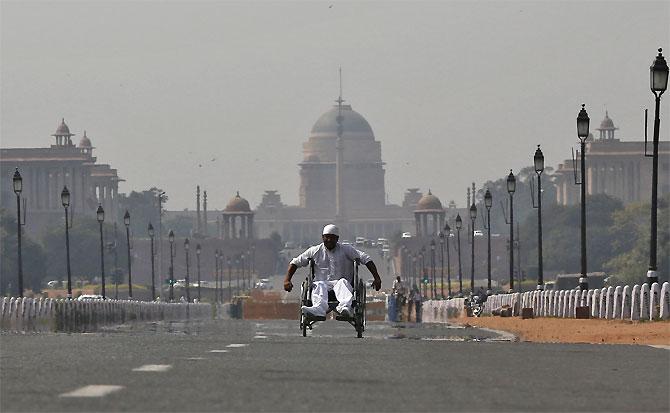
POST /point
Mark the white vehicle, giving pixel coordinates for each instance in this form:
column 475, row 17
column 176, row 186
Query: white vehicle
column 263, row 284
column 360, row 241
column 89, row 297
column 479, row 233
column 406, row 235
column 53, row 284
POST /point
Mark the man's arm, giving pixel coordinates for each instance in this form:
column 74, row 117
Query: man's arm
column 292, row 268
column 377, row 283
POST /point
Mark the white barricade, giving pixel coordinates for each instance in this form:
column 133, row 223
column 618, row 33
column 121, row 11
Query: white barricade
column 602, row 305
column 644, row 302
column 654, row 301
column 609, row 303
column 665, row 301
column 625, row 303
column 635, row 303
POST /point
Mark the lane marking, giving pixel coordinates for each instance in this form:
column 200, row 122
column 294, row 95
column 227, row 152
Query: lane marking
column 196, row 358
column 154, row 367
column 236, row 345
column 95, row 390
column 260, row 333
column 260, row 336
column 218, row 351
column 662, row 346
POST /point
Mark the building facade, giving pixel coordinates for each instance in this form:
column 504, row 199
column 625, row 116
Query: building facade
column 45, row 171
column 614, row 167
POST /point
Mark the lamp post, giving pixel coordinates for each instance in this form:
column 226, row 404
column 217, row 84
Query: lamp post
column 187, row 247
column 659, row 82
column 17, row 182
column 244, row 277
column 488, row 203
column 150, row 229
column 414, row 270
column 216, row 275
column 447, row 231
column 473, row 218
column 230, row 274
column 422, row 256
column 171, row 240
column 433, row 283
column 459, row 225
column 198, row 250
column 442, row 265
column 65, row 200
column 511, row 187
column 538, row 160
column 583, row 133
column 126, row 222
column 100, row 216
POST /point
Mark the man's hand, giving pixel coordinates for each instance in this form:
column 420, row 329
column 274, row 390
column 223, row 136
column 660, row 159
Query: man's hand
column 288, row 286
column 377, row 284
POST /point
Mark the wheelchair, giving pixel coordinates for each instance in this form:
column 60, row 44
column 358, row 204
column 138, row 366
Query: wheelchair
column 357, row 319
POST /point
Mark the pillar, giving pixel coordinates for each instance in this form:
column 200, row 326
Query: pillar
column 418, row 224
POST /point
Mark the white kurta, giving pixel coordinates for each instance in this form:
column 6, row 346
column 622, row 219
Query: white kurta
column 333, row 270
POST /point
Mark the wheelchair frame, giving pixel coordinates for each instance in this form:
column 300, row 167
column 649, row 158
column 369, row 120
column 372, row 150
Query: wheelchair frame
column 357, row 320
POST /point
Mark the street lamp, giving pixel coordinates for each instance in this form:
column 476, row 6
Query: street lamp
column 237, row 274
column 65, row 200
column 198, row 250
column 17, row 181
column 459, row 225
column 100, row 216
column 538, row 160
column 488, row 203
column 171, row 240
column 414, row 270
column 150, row 229
column 216, row 275
column 230, row 275
column 433, row 284
column 442, row 264
column 422, row 256
column 659, row 82
column 447, row 231
column 583, row 133
column 126, row 222
column 473, row 218
column 187, row 246
column 244, row 277
column 511, row 187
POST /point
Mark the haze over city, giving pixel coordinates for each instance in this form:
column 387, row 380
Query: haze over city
column 223, row 94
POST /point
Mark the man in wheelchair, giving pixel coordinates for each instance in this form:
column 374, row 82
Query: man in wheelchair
column 333, row 271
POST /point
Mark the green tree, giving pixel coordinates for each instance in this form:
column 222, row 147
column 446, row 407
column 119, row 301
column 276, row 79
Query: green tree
column 561, row 236
column 182, row 225
column 630, row 236
column 142, row 207
column 33, row 257
column 84, row 249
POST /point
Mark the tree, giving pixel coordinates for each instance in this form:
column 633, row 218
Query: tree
column 143, row 208
column 33, row 257
column 630, row 236
column 84, row 249
column 182, row 225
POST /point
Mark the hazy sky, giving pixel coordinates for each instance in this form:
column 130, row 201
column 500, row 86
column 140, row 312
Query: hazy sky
column 455, row 91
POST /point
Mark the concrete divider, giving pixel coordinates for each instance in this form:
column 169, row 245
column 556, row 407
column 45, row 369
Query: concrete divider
column 58, row 315
column 665, row 301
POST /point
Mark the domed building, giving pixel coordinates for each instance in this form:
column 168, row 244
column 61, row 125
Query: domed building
column 429, row 215
column 363, row 171
column 361, row 210
column 237, row 211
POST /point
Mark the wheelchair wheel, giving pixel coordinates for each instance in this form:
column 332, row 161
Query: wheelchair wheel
column 360, row 309
column 303, row 301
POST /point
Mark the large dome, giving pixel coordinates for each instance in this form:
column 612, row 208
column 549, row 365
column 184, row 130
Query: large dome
column 353, row 124
column 238, row 204
column 429, row 202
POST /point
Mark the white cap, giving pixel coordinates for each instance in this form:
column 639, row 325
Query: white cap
column 331, row 229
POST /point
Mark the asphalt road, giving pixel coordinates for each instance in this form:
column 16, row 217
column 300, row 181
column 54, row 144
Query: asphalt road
column 269, row 366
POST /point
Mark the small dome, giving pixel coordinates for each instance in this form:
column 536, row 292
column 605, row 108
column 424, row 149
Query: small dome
column 237, row 204
column 607, row 123
column 85, row 142
column 62, row 130
column 352, row 123
column 429, row 202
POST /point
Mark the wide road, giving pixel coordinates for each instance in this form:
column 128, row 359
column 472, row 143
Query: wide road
column 267, row 366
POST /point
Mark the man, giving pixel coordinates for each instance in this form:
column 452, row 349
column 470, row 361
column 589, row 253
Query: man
column 399, row 295
column 333, row 270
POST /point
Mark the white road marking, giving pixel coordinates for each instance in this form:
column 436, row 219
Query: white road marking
column 660, row 346
column 236, row 345
column 218, row 351
column 259, row 336
column 196, row 358
column 95, row 390
column 260, row 333
column 154, row 367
